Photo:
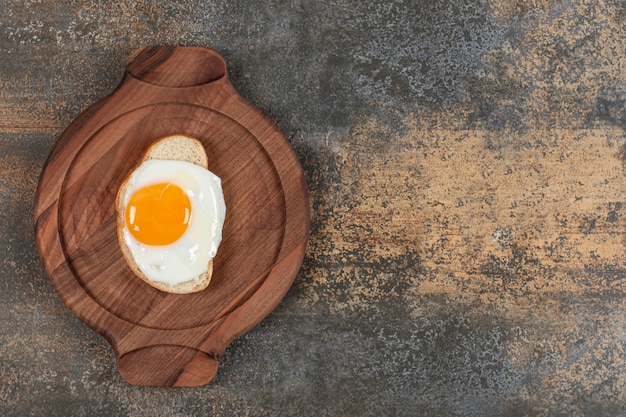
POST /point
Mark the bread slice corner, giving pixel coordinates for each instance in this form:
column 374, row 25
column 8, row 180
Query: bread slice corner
column 178, row 147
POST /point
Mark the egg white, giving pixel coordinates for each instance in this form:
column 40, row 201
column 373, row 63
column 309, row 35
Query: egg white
column 189, row 256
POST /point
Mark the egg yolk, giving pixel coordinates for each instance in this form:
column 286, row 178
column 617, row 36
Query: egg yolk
column 158, row 214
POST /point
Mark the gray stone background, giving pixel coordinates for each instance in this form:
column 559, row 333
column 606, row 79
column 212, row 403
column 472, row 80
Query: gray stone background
column 466, row 164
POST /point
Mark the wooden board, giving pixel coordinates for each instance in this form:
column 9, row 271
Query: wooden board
column 164, row 339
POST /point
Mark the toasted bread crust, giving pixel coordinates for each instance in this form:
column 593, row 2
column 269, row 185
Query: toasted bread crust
column 178, row 147
column 171, row 147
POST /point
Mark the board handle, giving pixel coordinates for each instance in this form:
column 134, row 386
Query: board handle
column 167, row 366
column 177, row 66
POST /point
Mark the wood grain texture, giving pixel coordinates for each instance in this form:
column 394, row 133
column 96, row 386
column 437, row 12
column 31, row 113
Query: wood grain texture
column 159, row 338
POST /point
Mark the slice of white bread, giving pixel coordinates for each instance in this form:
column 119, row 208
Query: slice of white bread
column 173, row 147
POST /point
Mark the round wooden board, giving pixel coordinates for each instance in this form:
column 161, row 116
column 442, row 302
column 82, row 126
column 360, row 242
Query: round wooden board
column 162, row 338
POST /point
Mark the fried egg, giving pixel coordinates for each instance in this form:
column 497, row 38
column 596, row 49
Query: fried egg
column 173, row 219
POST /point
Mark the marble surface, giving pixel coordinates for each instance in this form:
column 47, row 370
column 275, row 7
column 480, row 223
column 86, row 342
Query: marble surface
column 466, row 163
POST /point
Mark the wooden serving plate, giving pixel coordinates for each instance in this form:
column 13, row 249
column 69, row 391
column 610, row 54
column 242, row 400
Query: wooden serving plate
column 163, row 339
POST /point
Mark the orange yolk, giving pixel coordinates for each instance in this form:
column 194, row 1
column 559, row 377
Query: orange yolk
column 158, row 214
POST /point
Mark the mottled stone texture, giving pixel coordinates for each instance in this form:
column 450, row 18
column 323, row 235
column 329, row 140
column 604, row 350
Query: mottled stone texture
column 466, row 162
